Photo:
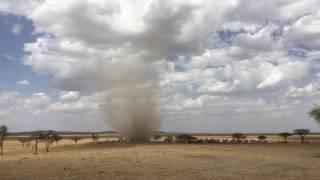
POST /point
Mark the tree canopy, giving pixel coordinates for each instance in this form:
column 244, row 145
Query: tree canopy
column 315, row 113
column 262, row 137
column 76, row 139
column 285, row 135
column 238, row 136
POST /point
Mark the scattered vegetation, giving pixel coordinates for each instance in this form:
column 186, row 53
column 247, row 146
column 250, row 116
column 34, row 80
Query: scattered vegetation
column 48, row 137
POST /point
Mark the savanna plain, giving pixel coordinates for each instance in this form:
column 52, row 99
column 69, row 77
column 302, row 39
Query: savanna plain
column 157, row 160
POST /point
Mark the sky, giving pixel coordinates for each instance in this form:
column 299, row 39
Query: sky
column 221, row 66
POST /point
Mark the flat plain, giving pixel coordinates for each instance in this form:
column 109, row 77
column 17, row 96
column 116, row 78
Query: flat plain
column 86, row 160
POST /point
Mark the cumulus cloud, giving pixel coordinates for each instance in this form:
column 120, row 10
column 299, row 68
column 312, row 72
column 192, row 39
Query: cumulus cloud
column 305, row 31
column 246, row 57
column 43, row 111
column 307, row 90
column 69, row 95
column 38, row 101
column 23, row 82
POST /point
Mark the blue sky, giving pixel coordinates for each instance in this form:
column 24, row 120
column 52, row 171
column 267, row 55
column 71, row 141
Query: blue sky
column 12, row 53
column 252, row 66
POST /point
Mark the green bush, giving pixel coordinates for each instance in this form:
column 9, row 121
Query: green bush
column 186, row 138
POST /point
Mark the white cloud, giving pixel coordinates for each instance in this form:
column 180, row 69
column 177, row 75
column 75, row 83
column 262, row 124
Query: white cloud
column 305, row 31
column 69, row 95
column 72, row 102
column 215, row 59
column 75, row 53
column 23, row 82
column 37, row 101
column 307, row 90
column 44, row 111
column 16, row 29
column 286, row 73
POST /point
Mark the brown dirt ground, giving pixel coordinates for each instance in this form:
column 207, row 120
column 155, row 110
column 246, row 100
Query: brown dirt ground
column 162, row 161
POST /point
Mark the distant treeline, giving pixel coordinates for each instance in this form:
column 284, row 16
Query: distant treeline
column 28, row 133
column 88, row 133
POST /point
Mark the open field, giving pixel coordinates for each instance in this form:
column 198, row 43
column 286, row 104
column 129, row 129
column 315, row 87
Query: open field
column 162, row 161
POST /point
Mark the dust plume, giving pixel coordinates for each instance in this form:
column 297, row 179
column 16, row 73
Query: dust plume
column 130, row 105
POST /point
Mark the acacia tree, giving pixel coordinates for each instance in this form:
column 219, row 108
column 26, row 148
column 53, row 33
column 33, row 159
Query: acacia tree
column 48, row 137
column 56, row 137
column 285, row 135
column 262, row 137
column 315, row 113
column 3, row 135
column 302, row 133
column 76, row 139
column 24, row 140
column 238, row 136
column 94, row 137
column 168, row 139
column 36, row 137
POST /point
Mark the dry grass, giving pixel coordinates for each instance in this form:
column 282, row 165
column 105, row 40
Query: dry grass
column 162, row 161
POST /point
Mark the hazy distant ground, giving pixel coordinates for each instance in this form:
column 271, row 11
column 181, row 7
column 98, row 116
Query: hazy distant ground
column 163, row 161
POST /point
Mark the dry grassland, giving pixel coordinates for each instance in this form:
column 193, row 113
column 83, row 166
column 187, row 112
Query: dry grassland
column 162, row 161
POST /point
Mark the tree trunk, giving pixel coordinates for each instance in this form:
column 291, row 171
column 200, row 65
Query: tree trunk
column 285, row 139
column 36, row 147
column 1, row 147
column 302, row 138
column 47, row 147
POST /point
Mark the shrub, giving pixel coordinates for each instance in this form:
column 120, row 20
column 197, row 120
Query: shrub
column 238, row 137
column 168, row 139
column 262, row 138
column 185, row 138
column 157, row 137
column 76, row 139
column 253, row 141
